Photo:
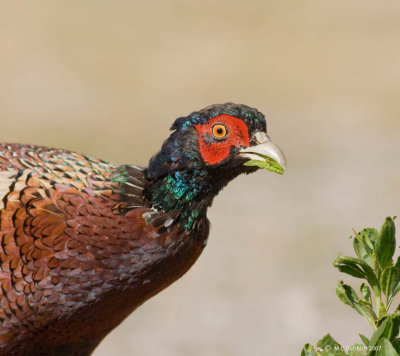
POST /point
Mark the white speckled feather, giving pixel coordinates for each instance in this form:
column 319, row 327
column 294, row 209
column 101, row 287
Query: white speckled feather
column 7, row 177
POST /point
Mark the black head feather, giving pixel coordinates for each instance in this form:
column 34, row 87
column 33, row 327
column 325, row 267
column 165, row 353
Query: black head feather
column 181, row 148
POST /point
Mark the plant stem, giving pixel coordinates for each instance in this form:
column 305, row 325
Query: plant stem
column 378, row 305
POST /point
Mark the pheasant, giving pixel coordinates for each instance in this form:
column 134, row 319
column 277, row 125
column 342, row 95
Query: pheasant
column 84, row 242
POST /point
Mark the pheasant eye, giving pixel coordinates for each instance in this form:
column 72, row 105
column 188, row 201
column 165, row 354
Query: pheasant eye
column 219, row 131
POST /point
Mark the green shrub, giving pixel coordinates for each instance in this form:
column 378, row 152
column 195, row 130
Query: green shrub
column 374, row 264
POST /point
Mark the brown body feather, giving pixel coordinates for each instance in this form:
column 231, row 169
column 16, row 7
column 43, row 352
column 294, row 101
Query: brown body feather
column 79, row 249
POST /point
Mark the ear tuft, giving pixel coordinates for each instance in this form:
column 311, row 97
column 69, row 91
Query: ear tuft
column 180, row 123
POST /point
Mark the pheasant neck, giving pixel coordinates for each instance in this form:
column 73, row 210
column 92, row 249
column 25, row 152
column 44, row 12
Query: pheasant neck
column 189, row 192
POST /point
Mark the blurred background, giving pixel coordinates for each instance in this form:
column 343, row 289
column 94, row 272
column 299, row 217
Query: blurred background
column 108, row 78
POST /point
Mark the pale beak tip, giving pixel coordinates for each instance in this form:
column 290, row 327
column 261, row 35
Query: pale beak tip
column 263, row 151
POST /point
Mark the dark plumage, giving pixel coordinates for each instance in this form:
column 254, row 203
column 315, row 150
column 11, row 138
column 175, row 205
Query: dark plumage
column 84, row 242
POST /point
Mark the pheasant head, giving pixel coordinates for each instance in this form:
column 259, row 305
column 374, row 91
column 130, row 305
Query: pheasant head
column 205, row 151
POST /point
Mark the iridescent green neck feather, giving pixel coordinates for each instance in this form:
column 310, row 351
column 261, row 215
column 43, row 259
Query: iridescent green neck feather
column 185, row 192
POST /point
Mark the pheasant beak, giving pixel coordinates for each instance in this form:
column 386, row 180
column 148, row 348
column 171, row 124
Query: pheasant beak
column 264, row 154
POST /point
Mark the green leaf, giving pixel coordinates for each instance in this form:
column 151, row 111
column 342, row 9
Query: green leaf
column 352, row 271
column 308, row 350
column 386, row 244
column 364, row 339
column 388, row 328
column 385, row 348
column 396, row 344
column 389, row 280
column 329, row 346
column 379, row 332
column 265, row 162
column 397, row 284
column 393, row 332
column 348, row 296
column 359, row 265
column 365, row 292
column 369, row 236
column 363, row 250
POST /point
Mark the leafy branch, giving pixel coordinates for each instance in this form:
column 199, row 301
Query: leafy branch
column 374, row 264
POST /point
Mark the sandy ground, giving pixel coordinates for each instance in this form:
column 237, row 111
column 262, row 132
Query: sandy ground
column 108, row 78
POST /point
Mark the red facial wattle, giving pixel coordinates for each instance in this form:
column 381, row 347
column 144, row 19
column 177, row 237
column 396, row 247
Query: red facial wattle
column 215, row 151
